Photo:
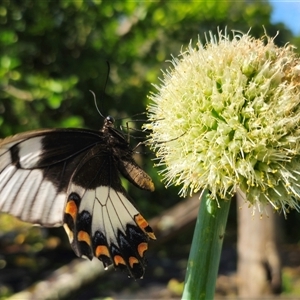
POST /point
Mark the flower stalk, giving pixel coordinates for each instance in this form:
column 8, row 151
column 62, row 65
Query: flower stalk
column 203, row 263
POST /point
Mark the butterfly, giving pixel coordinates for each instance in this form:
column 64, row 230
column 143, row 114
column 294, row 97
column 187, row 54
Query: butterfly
column 71, row 177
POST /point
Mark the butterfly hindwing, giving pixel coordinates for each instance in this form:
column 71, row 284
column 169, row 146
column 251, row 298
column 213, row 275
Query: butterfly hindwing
column 102, row 206
column 103, row 223
column 71, row 177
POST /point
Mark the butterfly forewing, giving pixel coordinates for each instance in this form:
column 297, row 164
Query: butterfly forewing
column 35, row 173
column 71, row 177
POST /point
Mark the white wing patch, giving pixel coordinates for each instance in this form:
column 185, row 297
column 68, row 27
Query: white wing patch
column 30, row 152
column 5, row 159
column 110, row 210
column 49, row 206
column 28, row 196
column 12, row 186
column 24, row 191
column 27, row 192
column 119, row 210
column 5, row 176
column 116, row 210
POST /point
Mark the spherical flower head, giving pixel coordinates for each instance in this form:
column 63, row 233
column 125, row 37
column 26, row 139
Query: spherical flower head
column 226, row 118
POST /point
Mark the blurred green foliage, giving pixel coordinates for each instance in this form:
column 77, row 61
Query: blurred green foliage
column 52, row 53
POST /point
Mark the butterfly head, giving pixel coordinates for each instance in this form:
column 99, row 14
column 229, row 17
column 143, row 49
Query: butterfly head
column 108, row 122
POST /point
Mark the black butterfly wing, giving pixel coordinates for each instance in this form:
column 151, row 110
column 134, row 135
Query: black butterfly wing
column 100, row 220
column 71, row 177
column 35, row 170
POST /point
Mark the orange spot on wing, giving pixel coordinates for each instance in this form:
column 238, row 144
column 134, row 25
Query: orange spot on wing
column 142, row 247
column 119, row 260
column 140, row 221
column 102, row 250
column 71, row 209
column 83, row 236
column 143, row 224
column 133, row 260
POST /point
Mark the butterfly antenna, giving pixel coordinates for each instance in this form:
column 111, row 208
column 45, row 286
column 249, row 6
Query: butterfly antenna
column 96, row 105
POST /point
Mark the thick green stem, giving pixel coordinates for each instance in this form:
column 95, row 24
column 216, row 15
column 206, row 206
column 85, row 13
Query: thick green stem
column 203, row 264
